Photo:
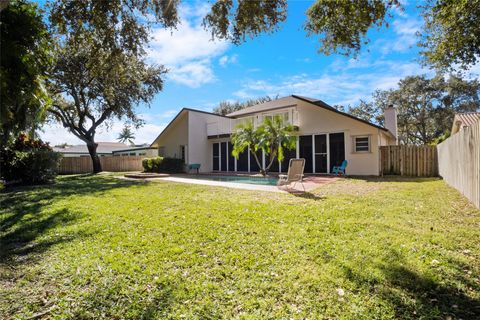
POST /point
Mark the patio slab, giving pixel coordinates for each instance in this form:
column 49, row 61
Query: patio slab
column 310, row 183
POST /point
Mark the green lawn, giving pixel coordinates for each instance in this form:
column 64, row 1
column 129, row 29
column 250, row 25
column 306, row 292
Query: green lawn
column 100, row 247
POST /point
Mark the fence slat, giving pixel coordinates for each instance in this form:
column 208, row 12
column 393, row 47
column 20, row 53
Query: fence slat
column 407, row 160
column 73, row 165
column 459, row 162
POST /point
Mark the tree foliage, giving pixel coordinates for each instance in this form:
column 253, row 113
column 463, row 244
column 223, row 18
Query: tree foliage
column 126, row 135
column 100, row 70
column 426, row 107
column 226, row 107
column 25, row 59
column 452, row 33
column 245, row 137
column 29, row 161
column 122, row 24
column 237, row 20
column 450, row 36
column 343, row 25
column 273, row 136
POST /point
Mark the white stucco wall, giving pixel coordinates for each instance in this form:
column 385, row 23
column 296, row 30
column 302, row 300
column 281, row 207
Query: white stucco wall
column 190, row 129
column 174, row 136
column 199, row 147
column 315, row 120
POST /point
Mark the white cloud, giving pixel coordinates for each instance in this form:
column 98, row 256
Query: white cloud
column 224, row 60
column 406, row 30
column 335, row 87
column 56, row 134
column 188, row 50
column 193, row 74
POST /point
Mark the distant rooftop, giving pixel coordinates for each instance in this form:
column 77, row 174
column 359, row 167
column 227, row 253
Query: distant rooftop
column 465, row 119
column 103, row 147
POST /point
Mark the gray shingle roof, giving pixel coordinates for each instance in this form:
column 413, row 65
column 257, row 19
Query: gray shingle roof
column 274, row 104
column 103, row 147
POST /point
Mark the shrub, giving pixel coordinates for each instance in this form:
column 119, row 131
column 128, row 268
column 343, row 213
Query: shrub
column 146, row 165
column 172, row 165
column 29, row 161
column 166, row 165
column 152, row 164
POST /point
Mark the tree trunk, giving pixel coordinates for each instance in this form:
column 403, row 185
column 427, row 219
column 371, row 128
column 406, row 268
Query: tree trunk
column 92, row 149
column 273, row 155
column 262, row 170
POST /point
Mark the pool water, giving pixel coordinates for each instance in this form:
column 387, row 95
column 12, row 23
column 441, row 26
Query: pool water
column 267, row 181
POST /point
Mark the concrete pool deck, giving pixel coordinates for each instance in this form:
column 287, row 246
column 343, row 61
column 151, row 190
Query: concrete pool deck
column 310, row 183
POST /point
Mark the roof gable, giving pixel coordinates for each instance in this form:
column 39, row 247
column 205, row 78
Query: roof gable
column 183, row 111
column 291, row 101
column 326, row 106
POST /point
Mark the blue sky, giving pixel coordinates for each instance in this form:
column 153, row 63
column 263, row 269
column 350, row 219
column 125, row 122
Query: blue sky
column 203, row 73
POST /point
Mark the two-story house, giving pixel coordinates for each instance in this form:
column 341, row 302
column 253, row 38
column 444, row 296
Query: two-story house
column 326, row 137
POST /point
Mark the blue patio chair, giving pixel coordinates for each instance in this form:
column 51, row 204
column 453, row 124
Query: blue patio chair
column 194, row 166
column 340, row 169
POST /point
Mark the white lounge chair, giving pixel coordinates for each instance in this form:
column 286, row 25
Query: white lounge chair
column 295, row 173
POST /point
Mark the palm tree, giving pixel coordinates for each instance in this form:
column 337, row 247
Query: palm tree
column 275, row 136
column 245, row 136
column 126, row 135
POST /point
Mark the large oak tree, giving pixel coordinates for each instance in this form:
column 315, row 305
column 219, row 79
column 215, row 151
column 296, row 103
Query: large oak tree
column 100, row 71
column 426, row 106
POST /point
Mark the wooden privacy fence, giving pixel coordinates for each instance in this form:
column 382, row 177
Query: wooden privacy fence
column 70, row 165
column 407, row 160
column 459, row 162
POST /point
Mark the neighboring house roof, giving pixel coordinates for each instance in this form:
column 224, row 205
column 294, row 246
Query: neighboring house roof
column 466, row 119
column 103, row 147
column 134, row 149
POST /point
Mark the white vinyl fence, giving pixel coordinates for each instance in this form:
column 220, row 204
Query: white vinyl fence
column 459, row 162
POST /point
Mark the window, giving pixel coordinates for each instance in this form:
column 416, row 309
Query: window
column 161, row 151
column 362, row 144
column 133, row 153
column 282, row 115
column 182, row 153
column 243, row 121
column 142, row 154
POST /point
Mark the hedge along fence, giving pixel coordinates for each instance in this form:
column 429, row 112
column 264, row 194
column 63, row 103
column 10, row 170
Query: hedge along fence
column 72, row 165
column 459, row 162
column 409, row 160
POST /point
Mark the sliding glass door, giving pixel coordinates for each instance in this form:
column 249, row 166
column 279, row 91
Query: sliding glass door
column 216, row 157
column 321, row 153
column 306, row 152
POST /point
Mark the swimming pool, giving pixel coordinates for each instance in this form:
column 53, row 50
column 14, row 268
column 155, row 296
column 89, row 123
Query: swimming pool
column 267, row 181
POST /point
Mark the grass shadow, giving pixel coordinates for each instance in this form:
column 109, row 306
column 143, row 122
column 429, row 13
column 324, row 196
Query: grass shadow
column 110, row 300
column 24, row 220
column 416, row 295
column 431, row 298
column 392, row 178
column 306, row 195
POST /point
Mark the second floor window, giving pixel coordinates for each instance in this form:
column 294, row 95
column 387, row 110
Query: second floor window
column 283, row 115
